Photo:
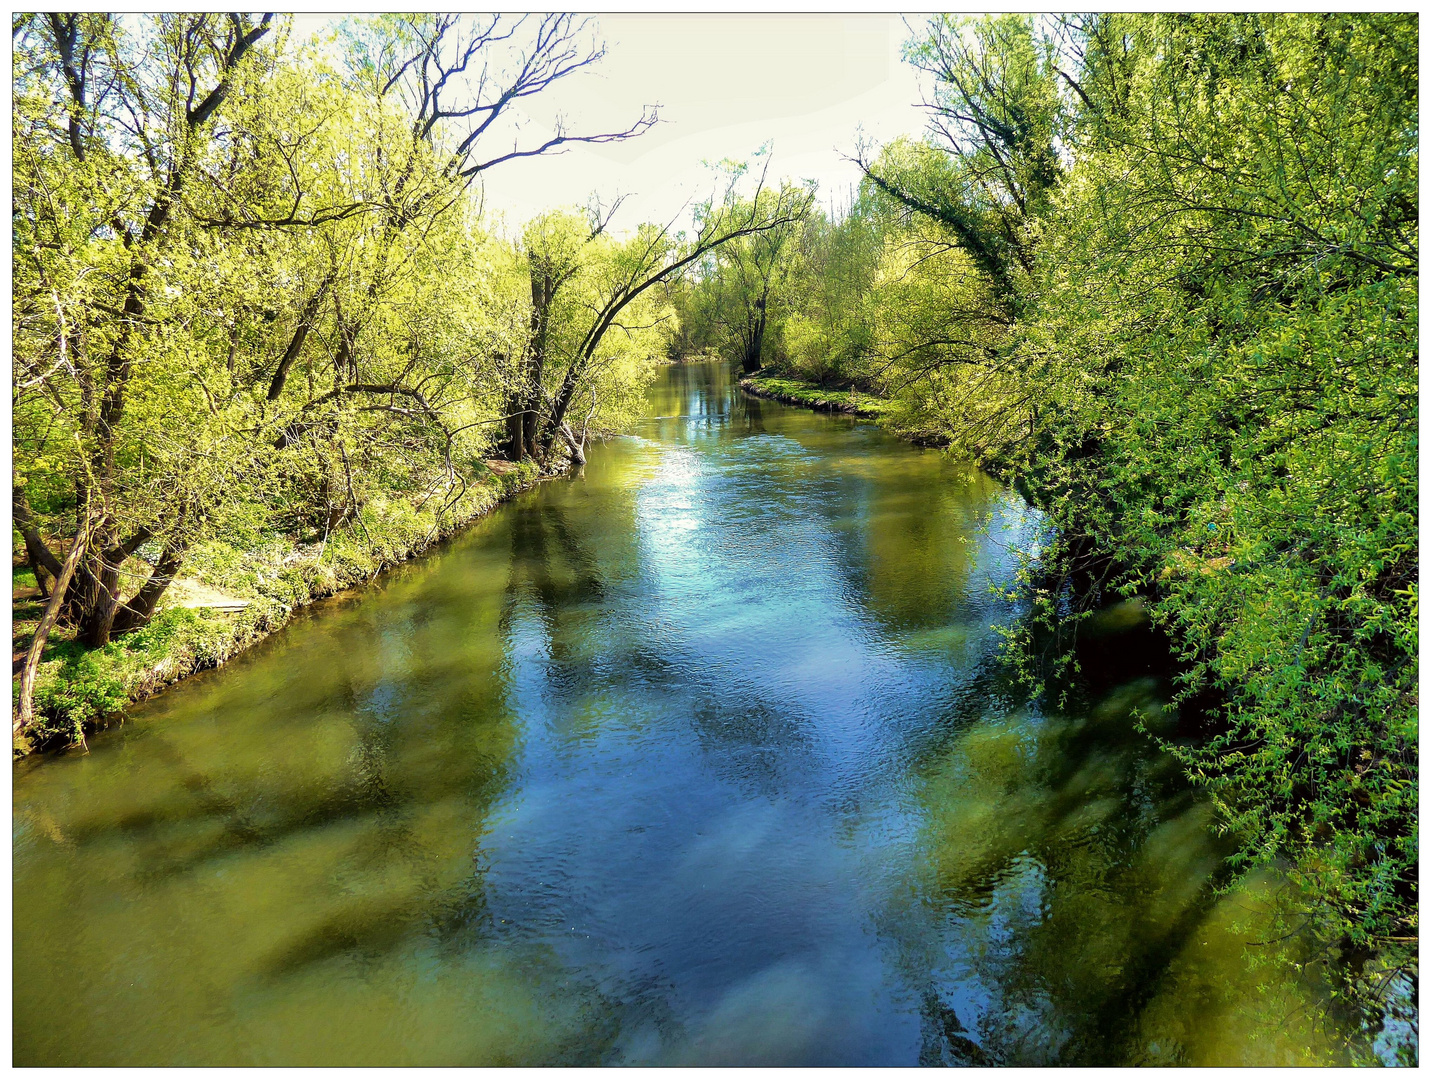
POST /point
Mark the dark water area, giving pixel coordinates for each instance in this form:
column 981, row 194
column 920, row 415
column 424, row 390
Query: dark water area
column 708, row 755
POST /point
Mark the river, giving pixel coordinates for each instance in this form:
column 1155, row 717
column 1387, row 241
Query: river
column 708, row 755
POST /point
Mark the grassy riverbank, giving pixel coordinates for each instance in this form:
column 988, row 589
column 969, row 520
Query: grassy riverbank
column 793, row 391
column 849, row 400
column 272, row 575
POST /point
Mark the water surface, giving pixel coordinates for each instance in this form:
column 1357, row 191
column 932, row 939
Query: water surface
column 707, row 756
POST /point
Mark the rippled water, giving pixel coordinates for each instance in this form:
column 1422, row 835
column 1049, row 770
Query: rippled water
column 706, row 756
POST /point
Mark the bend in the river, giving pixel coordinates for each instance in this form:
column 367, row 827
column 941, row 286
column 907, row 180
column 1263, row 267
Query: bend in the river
column 706, row 756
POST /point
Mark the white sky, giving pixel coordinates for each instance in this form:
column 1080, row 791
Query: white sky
column 725, row 85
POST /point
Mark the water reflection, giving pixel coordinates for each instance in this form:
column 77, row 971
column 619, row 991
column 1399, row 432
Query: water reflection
column 707, row 756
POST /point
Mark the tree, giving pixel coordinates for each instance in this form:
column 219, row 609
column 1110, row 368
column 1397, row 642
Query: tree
column 619, row 279
column 1230, row 361
column 751, row 272
column 557, row 247
column 992, row 161
column 154, row 152
column 1188, row 247
column 654, row 255
column 828, row 331
column 103, row 170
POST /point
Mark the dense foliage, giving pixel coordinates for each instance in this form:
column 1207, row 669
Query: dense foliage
column 256, row 303
column 1160, row 272
column 1227, row 349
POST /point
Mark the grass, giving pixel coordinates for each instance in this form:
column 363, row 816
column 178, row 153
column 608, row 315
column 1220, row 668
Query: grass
column 813, row 396
column 80, row 689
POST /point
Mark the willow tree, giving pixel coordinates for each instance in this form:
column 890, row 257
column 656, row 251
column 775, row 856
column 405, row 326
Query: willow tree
column 1229, row 348
column 828, row 332
column 746, row 276
column 238, row 274
column 990, row 162
column 622, row 278
column 1201, row 236
column 556, row 248
column 964, row 214
column 112, row 125
column 442, row 98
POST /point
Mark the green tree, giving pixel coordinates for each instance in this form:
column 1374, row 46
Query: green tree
column 750, row 274
column 251, row 286
column 112, row 131
column 829, row 325
column 1186, row 273
column 620, row 280
column 1230, row 343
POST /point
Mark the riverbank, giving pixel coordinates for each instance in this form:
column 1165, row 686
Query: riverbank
column 808, row 395
column 1367, row 963
column 236, row 597
column 791, row 391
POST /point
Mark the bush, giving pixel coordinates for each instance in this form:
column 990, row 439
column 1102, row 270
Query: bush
column 82, row 692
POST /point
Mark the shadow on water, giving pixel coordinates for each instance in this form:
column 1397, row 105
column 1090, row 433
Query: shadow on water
column 706, row 756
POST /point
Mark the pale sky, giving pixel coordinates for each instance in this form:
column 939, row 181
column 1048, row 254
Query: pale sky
column 725, row 84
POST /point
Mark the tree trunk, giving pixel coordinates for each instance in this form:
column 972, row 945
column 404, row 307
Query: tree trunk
column 93, row 594
column 39, row 572
column 35, row 548
column 295, row 344
column 531, row 416
column 524, row 407
column 25, row 712
column 561, row 403
column 578, row 455
column 39, row 558
column 139, row 609
column 84, row 587
column 511, row 445
column 96, row 624
column 750, row 362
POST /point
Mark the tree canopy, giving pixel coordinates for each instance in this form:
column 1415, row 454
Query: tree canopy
column 1160, row 273
column 254, row 291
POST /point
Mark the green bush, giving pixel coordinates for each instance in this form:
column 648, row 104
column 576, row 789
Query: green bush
column 83, row 691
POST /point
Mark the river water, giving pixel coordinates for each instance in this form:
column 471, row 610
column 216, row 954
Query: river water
column 707, row 756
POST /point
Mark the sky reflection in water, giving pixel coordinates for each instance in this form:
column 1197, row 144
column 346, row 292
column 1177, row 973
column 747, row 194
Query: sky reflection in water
column 705, row 757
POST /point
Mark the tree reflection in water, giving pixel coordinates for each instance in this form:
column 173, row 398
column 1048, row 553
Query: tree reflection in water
column 708, row 756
